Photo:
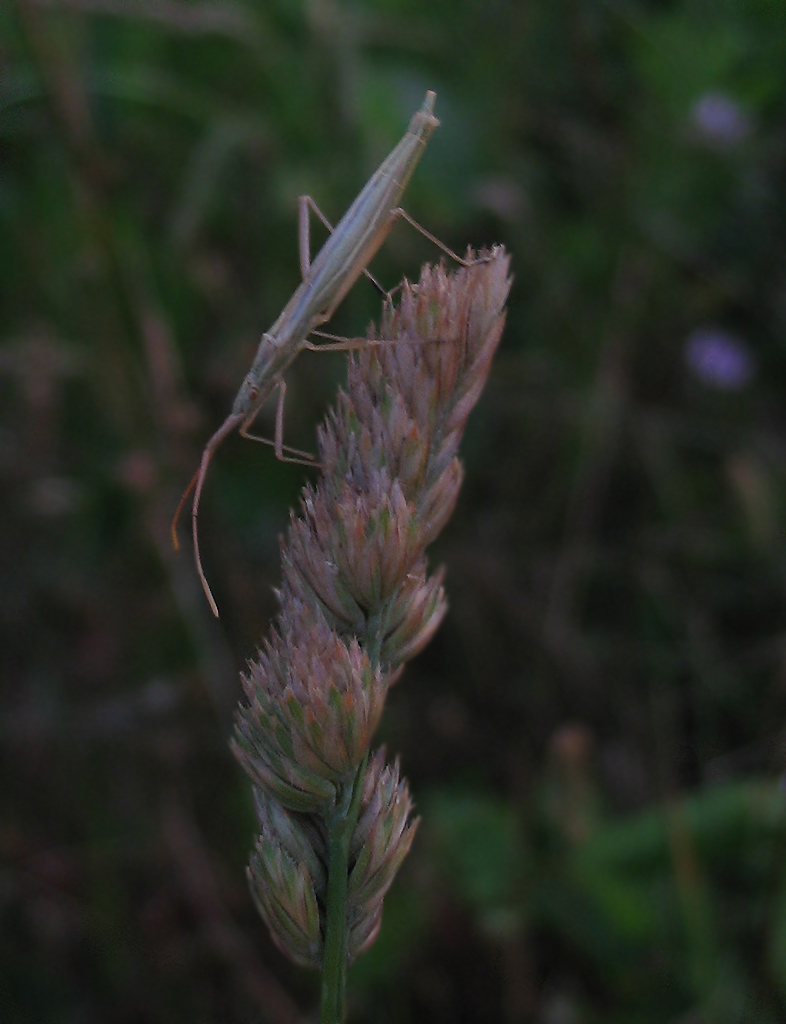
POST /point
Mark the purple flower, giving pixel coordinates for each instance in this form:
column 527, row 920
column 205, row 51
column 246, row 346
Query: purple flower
column 719, row 359
column 720, row 121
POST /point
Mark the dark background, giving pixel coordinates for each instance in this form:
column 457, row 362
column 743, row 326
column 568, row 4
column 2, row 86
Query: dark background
column 595, row 739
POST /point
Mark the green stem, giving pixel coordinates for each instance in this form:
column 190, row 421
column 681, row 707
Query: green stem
column 334, row 965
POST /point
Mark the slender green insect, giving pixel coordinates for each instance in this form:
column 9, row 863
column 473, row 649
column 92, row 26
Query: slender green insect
column 338, row 264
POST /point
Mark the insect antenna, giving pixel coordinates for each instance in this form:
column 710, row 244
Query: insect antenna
column 196, row 485
column 179, row 509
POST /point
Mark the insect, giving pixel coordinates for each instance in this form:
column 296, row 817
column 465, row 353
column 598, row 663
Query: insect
column 338, row 264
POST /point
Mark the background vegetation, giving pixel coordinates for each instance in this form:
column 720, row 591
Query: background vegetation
column 595, row 739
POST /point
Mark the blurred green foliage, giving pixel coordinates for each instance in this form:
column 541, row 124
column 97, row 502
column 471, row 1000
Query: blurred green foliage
column 595, row 738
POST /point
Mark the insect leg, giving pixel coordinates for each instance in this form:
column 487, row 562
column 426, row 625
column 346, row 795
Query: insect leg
column 339, row 343
column 304, row 202
column 401, row 212
column 299, row 457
